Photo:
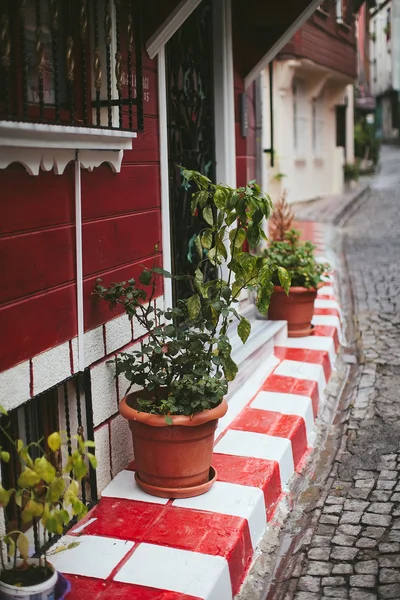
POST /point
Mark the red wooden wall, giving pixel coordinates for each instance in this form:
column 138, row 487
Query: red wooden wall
column 325, row 42
column 121, row 226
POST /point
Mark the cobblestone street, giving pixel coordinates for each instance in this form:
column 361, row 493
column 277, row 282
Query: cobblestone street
column 352, row 550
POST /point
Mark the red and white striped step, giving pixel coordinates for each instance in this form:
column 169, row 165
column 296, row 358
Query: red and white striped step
column 135, row 546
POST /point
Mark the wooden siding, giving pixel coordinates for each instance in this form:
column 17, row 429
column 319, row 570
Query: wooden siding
column 121, row 226
column 325, row 42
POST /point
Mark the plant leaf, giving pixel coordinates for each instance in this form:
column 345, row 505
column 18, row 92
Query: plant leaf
column 73, row 545
column 23, row 546
column 5, row 456
column 244, row 329
column 79, row 468
column 230, row 368
column 161, row 271
column 145, row 277
column 93, row 460
column 56, row 488
column 5, row 496
column 28, row 478
column 206, row 239
column 208, row 215
column 194, row 306
column 220, row 198
column 45, row 469
column 198, row 246
column 284, row 279
column 168, row 420
column 54, row 441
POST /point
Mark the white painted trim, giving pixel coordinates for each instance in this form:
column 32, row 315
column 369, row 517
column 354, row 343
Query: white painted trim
column 36, row 135
column 167, row 29
column 289, row 33
column 36, row 159
column 164, row 176
column 225, row 139
column 79, row 262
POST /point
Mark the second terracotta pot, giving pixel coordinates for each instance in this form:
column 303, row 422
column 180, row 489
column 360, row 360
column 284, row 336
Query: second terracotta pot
column 297, row 309
column 172, row 461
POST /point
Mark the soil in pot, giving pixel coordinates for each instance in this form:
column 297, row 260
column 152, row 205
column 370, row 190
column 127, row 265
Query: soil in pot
column 297, row 309
column 173, row 461
column 33, row 575
column 36, row 582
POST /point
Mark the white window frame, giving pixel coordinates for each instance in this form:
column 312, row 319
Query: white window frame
column 317, row 126
column 300, row 117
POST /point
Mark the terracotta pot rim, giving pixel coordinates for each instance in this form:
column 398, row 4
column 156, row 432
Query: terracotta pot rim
column 295, row 289
column 131, row 414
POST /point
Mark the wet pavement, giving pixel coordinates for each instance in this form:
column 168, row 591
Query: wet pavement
column 342, row 540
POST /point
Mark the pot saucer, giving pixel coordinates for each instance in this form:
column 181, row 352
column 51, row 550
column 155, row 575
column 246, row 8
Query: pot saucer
column 302, row 332
column 175, row 493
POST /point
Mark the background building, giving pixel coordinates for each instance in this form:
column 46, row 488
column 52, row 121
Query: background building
column 99, row 103
column 385, row 66
column 312, row 96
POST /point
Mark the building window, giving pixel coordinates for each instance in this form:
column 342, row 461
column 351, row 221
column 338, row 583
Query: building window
column 388, row 23
column 299, row 117
column 65, row 408
column 317, row 119
column 72, row 62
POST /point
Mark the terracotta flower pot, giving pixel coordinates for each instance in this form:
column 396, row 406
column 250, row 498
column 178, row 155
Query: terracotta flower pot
column 297, row 309
column 172, row 461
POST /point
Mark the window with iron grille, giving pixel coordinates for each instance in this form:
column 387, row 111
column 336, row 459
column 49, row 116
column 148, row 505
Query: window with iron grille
column 300, row 118
column 317, row 121
column 67, row 408
column 75, row 62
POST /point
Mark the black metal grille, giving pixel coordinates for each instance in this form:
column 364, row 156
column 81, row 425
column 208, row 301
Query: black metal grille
column 189, row 56
column 65, row 407
column 75, row 62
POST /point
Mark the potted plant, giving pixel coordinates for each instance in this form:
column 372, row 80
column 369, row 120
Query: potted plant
column 47, row 496
column 184, row 364
column 305, row 273
column 351, row 173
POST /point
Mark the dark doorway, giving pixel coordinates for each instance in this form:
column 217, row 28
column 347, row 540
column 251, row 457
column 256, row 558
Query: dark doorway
column 341, row 126
column 191, row 143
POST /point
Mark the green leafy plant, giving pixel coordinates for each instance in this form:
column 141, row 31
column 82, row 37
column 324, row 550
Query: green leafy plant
column 44, row 494
column 298, row 259
column 351, row 172
column 366, row 145
column 184, row 364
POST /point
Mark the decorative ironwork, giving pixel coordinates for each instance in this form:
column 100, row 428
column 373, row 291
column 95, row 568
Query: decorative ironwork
column 5, row 44
column 39, row 49
column 83, row 31
column 97, row 62
column 119, row 76
column 53, row 53
column 130, row 50
column 52, row 410
column 22, row 7
column 107, row 39
column 54, row 17
column 189, row 56
column 139, row 79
